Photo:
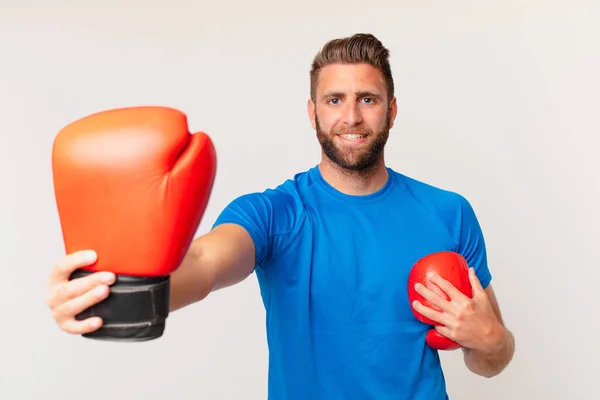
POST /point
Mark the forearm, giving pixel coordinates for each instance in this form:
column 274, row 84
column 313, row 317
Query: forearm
column 491, row 363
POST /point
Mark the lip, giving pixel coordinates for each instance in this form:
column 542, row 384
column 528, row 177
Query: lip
column 353, row 142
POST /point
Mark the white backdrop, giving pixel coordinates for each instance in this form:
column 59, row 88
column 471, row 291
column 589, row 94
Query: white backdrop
column 498, row 100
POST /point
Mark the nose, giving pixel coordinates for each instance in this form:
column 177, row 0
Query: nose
column 352, row 115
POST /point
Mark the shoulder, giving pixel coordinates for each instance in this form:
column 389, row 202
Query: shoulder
column 277, row 209
column 451, row 208
column 456, row 213
column 446, row 203
column 269, row 216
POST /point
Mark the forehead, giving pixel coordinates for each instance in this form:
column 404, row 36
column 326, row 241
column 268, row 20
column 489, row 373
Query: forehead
column 350, row 78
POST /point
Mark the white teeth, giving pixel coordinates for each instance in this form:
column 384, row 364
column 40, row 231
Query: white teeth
column 353, row 136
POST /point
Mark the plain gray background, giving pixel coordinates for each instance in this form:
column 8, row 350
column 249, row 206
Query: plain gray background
column 498, row 100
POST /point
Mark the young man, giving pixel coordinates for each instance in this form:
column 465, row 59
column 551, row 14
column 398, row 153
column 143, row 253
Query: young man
column 332, row 250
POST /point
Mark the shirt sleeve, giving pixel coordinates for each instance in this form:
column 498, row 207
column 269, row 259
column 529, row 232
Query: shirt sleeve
column 253, row 212
column 471, row 242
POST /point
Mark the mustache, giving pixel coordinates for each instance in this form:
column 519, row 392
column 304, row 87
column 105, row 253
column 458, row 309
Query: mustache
column 352, row 130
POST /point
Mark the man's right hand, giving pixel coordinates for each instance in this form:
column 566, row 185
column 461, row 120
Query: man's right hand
column 67, row 298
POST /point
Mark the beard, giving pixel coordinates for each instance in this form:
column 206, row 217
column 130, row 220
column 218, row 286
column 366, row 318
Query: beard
column 353, row 160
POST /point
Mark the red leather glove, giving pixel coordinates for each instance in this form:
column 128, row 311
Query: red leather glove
column 452, row 267
column 132, row 184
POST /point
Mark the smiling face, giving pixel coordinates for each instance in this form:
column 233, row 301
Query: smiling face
column 352, row 115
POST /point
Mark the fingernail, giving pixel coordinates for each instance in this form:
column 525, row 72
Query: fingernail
column 100, row 291
column 89, row 256
column 107, row 277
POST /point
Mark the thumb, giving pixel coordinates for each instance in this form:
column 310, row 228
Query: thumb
column 475, row 283
column 198, row 162
column 192, row 177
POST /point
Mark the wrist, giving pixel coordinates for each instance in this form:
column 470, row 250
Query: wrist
column 495, row 338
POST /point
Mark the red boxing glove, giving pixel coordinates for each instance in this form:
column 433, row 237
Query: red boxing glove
column 132, row 184
column 450, row 266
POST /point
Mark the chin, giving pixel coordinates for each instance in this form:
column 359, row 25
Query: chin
column 363, row 163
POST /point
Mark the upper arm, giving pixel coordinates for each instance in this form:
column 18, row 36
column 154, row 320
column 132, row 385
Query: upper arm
column 473, row 247
column 242, row 238
column 260, row 220
column 230, row 253
column 494, row 302
column 220, row 258
column 471, row 242
column 250, row 218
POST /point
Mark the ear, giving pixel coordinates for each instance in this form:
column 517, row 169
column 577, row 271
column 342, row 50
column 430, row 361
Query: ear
column 311, row 108
column 393, row 111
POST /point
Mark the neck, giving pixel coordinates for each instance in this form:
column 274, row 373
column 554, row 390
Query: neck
column 356, row 183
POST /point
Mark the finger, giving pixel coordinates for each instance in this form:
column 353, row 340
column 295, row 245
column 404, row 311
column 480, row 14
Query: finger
column 77, row 287
column 430, row 313
column 444, row 331
column 434, row 298
column 448, row 288
column 70, row 263
column 81, row 327
column 475, row 282
column 67, row 311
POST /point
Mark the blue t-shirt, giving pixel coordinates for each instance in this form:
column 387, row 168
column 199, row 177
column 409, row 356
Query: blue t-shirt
column 333, row 270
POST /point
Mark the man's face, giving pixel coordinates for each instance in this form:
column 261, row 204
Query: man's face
column 351, row 115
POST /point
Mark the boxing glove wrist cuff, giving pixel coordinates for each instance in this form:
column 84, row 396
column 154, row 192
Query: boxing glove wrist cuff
column 135, row 310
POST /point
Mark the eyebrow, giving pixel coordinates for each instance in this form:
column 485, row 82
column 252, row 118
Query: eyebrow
column 362, row 93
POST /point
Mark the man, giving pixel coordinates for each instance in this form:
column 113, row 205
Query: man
column 332, row 250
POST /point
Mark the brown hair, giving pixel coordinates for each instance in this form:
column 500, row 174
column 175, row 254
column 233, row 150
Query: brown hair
column 361, row 48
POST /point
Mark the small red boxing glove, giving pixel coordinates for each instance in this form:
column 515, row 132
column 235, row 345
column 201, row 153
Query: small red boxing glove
column 450, row 266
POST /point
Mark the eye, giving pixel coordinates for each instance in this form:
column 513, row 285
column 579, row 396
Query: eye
column 368, row 100
column 334, row 101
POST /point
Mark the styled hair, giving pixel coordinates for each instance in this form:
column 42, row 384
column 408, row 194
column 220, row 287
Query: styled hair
column 361, row 48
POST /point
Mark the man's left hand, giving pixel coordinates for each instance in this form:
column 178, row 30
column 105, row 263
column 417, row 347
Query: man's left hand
column 471, row 322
